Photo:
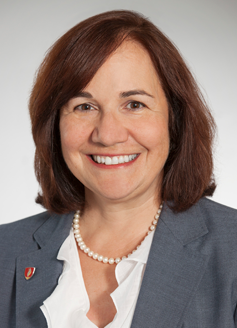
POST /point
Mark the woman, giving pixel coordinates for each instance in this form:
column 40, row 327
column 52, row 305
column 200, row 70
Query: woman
column 124, row 152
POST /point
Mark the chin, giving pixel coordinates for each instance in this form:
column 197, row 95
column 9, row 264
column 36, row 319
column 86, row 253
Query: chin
column 112, row 193
column 117, row 195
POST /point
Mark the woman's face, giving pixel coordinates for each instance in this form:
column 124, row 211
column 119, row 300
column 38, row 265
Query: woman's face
column 114, row 134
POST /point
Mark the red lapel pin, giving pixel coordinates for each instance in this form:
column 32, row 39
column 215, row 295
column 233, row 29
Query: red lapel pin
column 29, row 272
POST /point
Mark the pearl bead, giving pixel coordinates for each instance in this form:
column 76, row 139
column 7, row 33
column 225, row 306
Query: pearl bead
column 76, row 226
column 81, row 243
column 152, row 227
column 100, row 258
column 105, row 259
column 82, row 247
column 124, row 257
column 90, row 253
column 129, row 254
column 117, row 260
column 76, row 231
column 75, row 220
column 86, row 250
column 157, row 216
column 111, row 261
column 95, row 256
column 76, row 216
column 79, row 239
column 155, row 222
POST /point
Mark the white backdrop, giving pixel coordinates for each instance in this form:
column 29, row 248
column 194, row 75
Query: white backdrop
column 205, row 32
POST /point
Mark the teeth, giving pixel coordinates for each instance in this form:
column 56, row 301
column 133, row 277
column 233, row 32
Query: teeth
column 108, row 160
column 120, row 159
column 126, row 159
column 113, row 160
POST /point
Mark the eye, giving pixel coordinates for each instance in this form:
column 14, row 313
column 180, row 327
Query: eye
column 84, row 107
column 134, row 105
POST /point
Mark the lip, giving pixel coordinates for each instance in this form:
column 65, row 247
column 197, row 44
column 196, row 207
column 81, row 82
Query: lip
column 112, row 155
column 103, row 166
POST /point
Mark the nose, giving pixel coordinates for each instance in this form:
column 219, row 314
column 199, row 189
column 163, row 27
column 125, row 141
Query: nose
column 109, row 130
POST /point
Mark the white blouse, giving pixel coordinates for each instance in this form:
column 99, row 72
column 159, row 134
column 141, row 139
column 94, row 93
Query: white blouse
column 69, row 303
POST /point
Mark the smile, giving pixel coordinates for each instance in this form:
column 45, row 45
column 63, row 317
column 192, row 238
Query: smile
column 114, row 160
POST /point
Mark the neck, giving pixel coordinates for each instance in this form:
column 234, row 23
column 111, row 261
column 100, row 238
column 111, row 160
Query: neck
column 115, row 231
column 104, row 222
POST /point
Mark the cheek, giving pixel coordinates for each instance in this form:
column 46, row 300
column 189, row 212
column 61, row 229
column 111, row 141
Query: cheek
column 155, row 137
column 72, row 135
column 162, row 138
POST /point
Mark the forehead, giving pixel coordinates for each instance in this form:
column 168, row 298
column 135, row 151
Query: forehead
column 130, row 49
column 130, row 66
column 130, row 52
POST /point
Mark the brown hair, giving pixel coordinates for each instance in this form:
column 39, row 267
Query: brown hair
column 70, row 65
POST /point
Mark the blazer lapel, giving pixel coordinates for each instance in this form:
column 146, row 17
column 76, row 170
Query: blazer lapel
column 31, row 293
column 174, row 269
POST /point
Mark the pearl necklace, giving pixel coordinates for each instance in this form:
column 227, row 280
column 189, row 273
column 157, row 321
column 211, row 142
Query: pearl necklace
column 100, row 258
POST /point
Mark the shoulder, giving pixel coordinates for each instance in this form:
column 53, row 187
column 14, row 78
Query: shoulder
column 24, row 226
column 212, row 208
column 218, row 215
column 221, row 223
column 28, row 235
column 29, row 222
column 18, row 235
column 214, row 223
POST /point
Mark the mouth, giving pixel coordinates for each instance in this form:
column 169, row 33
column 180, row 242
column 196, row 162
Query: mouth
column 113, row 160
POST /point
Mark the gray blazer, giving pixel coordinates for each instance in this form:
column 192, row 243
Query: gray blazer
column 190, row 279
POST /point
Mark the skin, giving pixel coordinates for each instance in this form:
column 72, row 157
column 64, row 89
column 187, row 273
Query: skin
column 121, row 200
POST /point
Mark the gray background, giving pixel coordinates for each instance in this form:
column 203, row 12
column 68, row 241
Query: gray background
column 204, row 31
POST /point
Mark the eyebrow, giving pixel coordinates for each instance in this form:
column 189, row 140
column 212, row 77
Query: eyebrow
column 125, row 94
column 83, row 94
